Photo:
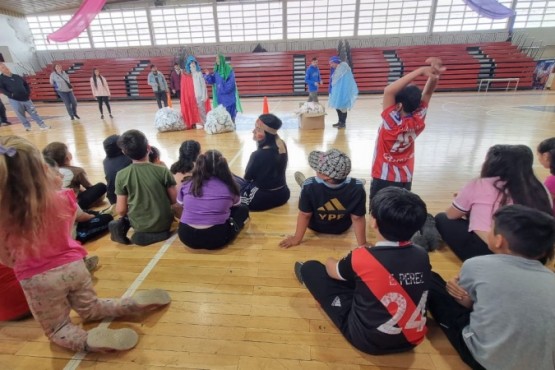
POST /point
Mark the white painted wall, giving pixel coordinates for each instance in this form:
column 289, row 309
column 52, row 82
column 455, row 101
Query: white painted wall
column 16, row 39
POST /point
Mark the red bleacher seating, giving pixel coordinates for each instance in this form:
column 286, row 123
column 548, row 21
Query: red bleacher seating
column 271, row 73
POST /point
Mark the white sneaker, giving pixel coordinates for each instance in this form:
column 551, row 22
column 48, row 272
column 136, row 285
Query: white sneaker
column 300, row 178
column 198, row 126
column 148, row 300
column 109, row 340
column 45, row 127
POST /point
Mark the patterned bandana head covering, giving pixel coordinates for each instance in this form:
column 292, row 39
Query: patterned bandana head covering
column 222, row 67
column 333, row 163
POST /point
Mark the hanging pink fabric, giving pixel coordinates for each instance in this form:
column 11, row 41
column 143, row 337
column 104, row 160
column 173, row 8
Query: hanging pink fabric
column 490, row 9
column 79, row 22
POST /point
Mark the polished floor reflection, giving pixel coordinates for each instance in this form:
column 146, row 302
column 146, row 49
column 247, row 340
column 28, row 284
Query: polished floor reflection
column 241, row 307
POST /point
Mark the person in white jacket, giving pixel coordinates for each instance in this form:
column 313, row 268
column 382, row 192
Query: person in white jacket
column 101, row 91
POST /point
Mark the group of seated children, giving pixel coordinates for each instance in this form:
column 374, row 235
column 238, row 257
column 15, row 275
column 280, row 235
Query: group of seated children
column 500, row 224
column 35, row 242
column 212, row 204
column 377, row 296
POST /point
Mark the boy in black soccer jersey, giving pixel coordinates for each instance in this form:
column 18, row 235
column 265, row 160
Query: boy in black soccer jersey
column 376, row 296
column 331, row 201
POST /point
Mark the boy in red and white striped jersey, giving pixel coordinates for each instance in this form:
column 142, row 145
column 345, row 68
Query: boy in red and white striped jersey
column 405, row 108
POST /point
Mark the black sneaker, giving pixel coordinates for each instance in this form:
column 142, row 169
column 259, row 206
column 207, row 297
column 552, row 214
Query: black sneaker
column 336, row 124
column 118, row 231
column 101, row 116
column 428, row 237
column 340, row 126
column 298, row 274
column 76, row 116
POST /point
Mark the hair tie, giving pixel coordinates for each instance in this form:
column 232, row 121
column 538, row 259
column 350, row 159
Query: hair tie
column 10, row 152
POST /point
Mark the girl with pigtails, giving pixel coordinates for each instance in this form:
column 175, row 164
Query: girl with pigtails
column 212, row 211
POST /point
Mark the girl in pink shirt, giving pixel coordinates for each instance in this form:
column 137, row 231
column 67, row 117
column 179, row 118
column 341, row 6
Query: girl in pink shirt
column 546, row 151
column 35, row 240
column 507, row 177
column 101, row 92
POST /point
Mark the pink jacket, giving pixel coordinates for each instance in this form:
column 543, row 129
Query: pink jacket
column 102, row 89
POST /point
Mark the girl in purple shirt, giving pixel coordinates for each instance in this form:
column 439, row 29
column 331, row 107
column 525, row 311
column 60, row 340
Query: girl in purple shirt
column 212, row 211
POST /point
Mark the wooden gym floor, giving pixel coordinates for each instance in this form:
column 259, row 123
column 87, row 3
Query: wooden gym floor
column 242, row 307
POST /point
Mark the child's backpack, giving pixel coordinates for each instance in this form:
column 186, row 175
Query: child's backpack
column 93, row 228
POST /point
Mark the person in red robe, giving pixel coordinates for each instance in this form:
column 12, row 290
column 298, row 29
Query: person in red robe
column 194, row 95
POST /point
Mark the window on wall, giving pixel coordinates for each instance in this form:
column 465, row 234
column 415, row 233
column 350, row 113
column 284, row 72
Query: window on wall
column 386, row 17
column 120, row 29
column 534, row 13
column 42, row 26
column 454, row 15
column 320, row 18
column 183, row 25
column 260, row 20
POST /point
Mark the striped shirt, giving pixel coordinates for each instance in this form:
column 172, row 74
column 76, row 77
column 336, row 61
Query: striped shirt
column 394, row 151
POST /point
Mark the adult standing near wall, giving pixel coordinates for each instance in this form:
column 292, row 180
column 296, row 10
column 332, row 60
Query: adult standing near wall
column 101, row 92
column 17, row 90
column 313, row 80
column 224, row 89
column 157, row 81
column 60, row 80
column 343, row 90
column 175, row 81
column 194, row 95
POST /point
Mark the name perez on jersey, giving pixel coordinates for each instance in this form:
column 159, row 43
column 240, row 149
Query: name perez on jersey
column 407, row 278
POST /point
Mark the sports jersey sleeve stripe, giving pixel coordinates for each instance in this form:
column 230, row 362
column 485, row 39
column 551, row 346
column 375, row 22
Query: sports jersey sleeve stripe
column 457, row 206
column 407, row 173
column 397, row 174
column 337, row 271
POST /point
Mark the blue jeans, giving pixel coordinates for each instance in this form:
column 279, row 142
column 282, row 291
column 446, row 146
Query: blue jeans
column 20, row 107
column 69, row 100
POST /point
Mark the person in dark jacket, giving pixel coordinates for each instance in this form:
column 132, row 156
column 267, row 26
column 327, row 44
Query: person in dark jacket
column 17, row 90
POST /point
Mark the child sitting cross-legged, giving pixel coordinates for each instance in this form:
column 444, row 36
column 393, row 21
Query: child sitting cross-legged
column 35, row 241
column 145, row 193
column 376, row 296
column 75, row 177
column 499, row 312
column 212, row 211
column 331, row 201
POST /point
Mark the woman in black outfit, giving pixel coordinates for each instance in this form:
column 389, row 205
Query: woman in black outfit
column 264, row 185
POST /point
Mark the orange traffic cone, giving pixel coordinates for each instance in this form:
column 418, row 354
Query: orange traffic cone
column 169, row 97
column 265, row 108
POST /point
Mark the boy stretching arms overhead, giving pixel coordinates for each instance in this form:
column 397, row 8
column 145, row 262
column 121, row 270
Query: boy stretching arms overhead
column 405, row 107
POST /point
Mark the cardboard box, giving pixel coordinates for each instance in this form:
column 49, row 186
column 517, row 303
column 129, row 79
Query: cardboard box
column 312, row 121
